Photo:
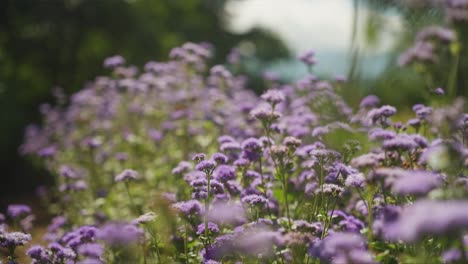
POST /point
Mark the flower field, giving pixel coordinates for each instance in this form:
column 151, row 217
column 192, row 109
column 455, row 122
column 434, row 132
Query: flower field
column 180, row 162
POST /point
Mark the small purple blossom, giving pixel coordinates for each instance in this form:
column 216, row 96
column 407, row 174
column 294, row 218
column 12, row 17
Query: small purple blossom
column 189, row 208
column 220, row 158
column 119, row 233
column 145, row 218
column 254, row 199
column 273, row 96
column 369, row 101
column 212, row 228
column 416, row 183
column 199, row 157
column 114, row 61
column 14, row 239
column 426, row 217
column 18, row 210
column 400, row 142
column 206, row 165
column 308, row 58
column 439, row 91
column 126, row 175
column 93, row 250
column 356, row 180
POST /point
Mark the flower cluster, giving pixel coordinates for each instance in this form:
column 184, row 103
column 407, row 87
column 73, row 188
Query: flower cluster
column 221, row 175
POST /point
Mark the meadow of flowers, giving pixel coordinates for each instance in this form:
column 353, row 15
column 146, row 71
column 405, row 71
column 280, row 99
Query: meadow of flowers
column 180, row 162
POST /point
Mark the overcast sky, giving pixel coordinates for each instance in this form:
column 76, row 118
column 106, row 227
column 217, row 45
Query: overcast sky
column 322, row 25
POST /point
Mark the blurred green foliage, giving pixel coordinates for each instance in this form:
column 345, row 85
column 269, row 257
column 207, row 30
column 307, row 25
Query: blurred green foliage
column 44, row 44
column 408, row 81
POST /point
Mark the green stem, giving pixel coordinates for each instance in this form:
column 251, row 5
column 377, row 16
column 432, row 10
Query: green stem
column 155, row 242
column 461, row 245
column 132, row 204
column 279, row 172
column 370, row 219
column 285, row 193
column 453, row 77
column 264, row 186
column 185, row 243
column 410, row 160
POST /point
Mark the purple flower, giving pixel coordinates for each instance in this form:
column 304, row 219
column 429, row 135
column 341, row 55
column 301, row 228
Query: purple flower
column 340, row 78
column 57, row 223
column 256, row 241
column 250, row 174
column 441, row 33
column 18, row 210
column 324, row 154
column 252, row 149
column 182, row 167
column 452, row 255
column 273, row 96
column 422, row 112
column 416, row 183
column 308, row 58
column 368, row 160
column 331, row 189
column 220, row 158
column 199, row 157
column 414, row 122
column 345, row 248
column 355, row 180
column 114, row 61
column 145, row 218
column 119, row 233
column 225, row 138
column 234, row 56
column 422, row 51
column 264, row 114
column 206, row 166
column 351, row 224
column 126, row 175
column 292, row 142
column 254, row 199
column 155, row 135
column 216, row 187
column 400, row 142
column 189, row 208
column 61, row 252
column 241, row 162
column 426, row 217
column 210, row 261
column 93, row 250
column 14, row 239
column 220, row 71
column 381, row 113
column 47, row 151
column 90, row 261
column 224, row 173
column 439, row 91
column 369, row 101
column 39, row 254
column 212, row 228
column 381, row 134
column 304, row 226
column 227, row 213
column 79, row 236
column 68, row 172
column 230, row 146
